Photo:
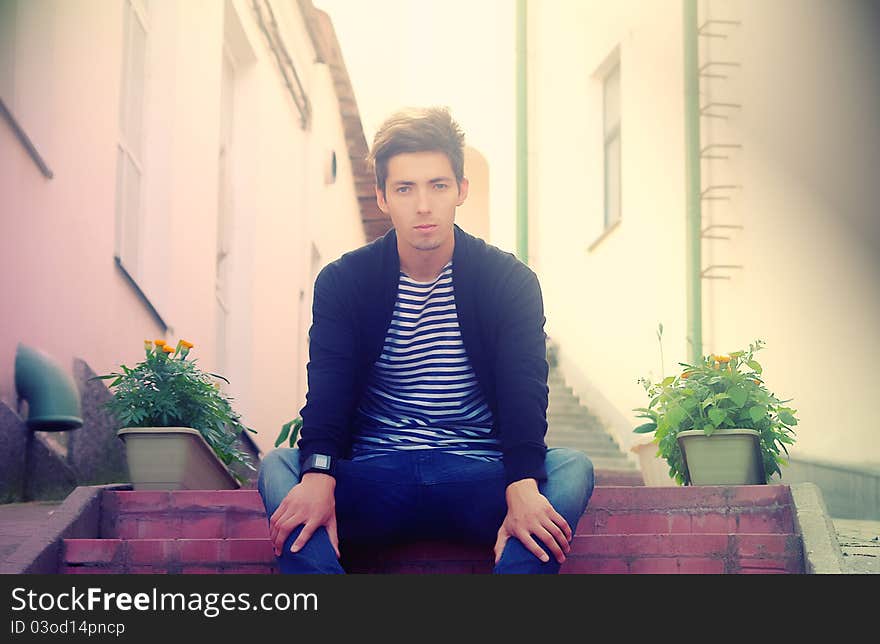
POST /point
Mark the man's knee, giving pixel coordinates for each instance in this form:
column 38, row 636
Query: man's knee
column 569, row 464
column 279, row 471
column 570, row 476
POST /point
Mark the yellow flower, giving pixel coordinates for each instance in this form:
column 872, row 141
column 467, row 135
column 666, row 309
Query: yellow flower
column 188, row 345
column 159, row 343
column 723, row 359
column 167, row 349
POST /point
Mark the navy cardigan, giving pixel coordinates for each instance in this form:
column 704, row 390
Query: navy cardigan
column 501, row 317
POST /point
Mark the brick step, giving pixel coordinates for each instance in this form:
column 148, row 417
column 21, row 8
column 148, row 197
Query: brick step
column 719, row 520
column 175, row 556
column 626, row 529
column 650, row 553
column 631, row 509
column 686, row 553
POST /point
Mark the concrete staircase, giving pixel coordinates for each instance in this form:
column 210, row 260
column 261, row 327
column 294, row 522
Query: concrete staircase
column 571, row 424
column 626, row 529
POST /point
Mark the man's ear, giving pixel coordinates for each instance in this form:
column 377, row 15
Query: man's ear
column 380, row 200
column 462, row 191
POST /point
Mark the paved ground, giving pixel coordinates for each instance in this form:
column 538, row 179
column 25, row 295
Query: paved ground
column 859, row 540
column 18, row 521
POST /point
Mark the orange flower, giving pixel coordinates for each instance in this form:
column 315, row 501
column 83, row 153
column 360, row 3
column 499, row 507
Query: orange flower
column 159, row 343
column 686, row 375
column 167, row 349
column 188, row 345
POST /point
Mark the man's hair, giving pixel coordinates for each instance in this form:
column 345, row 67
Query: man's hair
column 419, row 129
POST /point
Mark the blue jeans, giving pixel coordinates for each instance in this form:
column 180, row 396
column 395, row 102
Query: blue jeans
column 424, row 494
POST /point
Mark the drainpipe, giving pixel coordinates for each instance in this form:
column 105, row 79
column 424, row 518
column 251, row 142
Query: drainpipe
column 52, row 397
column 694, row 260
column 522, row 147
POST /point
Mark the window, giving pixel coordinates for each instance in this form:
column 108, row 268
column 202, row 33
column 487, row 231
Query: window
column 611, row 128
column 129, row 153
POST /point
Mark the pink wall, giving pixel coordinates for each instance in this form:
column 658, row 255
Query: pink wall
column 59, row 287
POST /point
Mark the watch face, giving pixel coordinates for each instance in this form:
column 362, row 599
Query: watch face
column 322, row 461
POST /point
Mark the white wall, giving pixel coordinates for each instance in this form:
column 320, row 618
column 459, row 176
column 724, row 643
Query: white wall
column 809, row 242
column 604, row 304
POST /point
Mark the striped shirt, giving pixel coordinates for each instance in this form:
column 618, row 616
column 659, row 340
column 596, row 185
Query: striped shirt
column 422, row 392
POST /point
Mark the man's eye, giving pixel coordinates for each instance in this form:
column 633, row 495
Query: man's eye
column 403, row 189
column 440, row 186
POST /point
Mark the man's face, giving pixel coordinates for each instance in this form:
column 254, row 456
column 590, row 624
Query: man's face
column 420, row 196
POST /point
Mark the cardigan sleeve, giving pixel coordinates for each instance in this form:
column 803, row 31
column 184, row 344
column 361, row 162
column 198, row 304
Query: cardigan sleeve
column 521, row 376
column 332, row 371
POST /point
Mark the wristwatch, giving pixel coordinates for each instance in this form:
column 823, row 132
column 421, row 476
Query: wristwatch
column 322, row 463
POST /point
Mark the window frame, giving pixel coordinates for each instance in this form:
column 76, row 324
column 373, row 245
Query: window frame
column 610, row 136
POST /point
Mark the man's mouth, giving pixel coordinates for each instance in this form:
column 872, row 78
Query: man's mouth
column 426, row 226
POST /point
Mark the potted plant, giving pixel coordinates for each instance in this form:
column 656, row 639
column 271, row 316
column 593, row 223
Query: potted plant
column 716, row 423
column 179, row 428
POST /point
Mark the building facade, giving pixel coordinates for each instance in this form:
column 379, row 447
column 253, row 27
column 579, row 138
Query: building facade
column 789, row 144
column 174, row 170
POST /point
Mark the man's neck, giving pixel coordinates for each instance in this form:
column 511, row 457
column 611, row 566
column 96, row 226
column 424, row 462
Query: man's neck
column 424, row 265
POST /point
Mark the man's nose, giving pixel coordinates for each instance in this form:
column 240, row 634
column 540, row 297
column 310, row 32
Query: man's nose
column 422, row 204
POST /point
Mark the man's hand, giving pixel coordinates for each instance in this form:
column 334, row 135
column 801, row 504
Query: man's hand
column 530, row 513
column 312, row 502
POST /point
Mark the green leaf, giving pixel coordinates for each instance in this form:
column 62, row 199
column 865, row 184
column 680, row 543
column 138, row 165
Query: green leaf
column 285, row 431
column 738, row 395
column 757, row 413
column 675, row 416
column 787, row 418
column 717, row 416
column 641, row 429
column 668, row 380
column 755, row 365
column 709, row 429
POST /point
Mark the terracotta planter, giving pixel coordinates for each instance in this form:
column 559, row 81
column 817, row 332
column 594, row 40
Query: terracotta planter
column 727, row 457
column 173, row 458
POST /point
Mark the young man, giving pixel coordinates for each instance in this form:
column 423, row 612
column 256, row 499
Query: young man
column 426, row 410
